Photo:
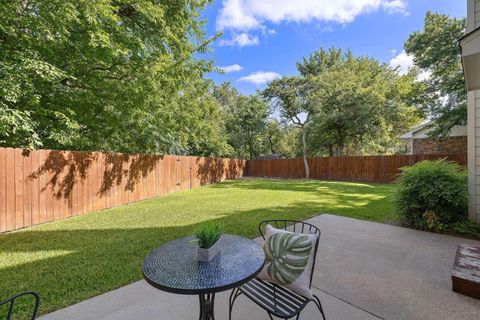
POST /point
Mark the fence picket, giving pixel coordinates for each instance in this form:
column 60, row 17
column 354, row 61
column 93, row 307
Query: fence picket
column 3, row 191
column 38, row 186
column 365, row 168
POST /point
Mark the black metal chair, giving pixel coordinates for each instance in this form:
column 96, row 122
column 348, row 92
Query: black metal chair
column 277, row 300
column 11, row 302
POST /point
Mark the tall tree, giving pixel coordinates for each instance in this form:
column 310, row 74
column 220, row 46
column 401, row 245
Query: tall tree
column 323, row 60
column 103, row 75
column 245, row 120
column 282, row 139
column 362, row 107
column 290, row 96
column 435, row 50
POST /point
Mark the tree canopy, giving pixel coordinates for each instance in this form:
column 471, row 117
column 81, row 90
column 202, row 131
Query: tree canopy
column 106, row 75
column 435, row 49
column 346, row 105
column 245, row 120
column 130, row 76
column 290, row 96
column 362, row 107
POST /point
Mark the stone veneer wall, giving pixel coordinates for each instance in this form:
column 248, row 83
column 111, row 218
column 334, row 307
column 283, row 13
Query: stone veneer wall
column 448, row 145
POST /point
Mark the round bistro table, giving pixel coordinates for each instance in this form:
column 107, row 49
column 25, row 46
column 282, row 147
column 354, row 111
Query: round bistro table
column 173, row 267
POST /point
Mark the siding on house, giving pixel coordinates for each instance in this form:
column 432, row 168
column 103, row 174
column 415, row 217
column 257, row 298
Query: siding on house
column 473, row 22
column 473, row 15
column 477, row 13
column 474, row 155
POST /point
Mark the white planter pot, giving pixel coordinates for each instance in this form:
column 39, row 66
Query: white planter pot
column 206, row 255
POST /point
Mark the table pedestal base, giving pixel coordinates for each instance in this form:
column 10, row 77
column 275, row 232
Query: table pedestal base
column 207, row 304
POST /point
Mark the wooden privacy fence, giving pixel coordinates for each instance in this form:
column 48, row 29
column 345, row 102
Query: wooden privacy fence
column 38, row 186
column 43, row 185
column 367, row 168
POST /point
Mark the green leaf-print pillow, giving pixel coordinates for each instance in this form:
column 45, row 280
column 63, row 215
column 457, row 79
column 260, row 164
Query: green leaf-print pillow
column 289, row 259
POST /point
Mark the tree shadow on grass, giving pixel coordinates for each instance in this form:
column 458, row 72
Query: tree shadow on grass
column 315, row 186
column 68, row 266
column 369, row 201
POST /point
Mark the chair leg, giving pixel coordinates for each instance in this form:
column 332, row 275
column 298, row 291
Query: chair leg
column 212, row 301
column 316, row 300
column 233, row 296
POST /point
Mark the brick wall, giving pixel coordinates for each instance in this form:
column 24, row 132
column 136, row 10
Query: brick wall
column 450, row 145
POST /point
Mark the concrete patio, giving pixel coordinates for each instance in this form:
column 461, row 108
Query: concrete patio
column 364, row 270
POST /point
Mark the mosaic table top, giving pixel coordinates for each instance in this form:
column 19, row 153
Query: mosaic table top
column 173, row 267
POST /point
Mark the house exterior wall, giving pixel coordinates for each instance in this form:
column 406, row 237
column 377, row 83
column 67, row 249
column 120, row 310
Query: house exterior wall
column 456, row 131
column 450, row 145
column 474, row 154
column 477, row 14
column 473, row 15
column 471, row 49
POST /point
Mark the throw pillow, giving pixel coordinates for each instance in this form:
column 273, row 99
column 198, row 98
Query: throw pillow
column 289, row 259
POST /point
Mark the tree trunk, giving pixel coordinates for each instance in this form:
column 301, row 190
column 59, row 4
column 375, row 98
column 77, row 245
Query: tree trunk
column 250, row 148
column 305, row 161
column 271, row 145
column 330, row 150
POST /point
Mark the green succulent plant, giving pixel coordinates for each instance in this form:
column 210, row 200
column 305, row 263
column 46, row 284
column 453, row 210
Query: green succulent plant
column 207, row 234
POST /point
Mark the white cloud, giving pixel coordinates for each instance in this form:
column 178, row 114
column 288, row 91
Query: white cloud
column 232, row 68
column 266, row 32
column 395, row 6
column 247, row 15
column 404, row 62
column 241, row 40
column 260, row 77
column 233, row 15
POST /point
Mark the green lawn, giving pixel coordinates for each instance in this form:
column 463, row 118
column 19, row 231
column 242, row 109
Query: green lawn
column 71, row 260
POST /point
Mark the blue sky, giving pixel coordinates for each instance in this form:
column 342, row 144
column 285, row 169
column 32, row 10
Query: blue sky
column 265, row 38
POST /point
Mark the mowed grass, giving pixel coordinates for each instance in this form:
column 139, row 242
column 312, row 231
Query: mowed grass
column 75, row 259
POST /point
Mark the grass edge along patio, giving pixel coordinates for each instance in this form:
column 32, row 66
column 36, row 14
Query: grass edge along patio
column 100, row 251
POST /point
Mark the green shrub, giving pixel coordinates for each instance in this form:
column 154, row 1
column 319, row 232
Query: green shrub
column 207, row 234
column 433, row 195
column 467, row 228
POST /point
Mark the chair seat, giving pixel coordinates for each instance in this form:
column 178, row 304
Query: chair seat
column 277, row 300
